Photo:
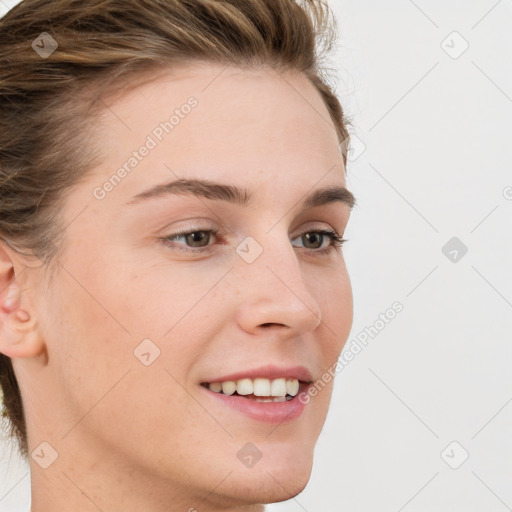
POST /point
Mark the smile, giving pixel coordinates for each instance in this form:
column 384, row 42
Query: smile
column 259, row 389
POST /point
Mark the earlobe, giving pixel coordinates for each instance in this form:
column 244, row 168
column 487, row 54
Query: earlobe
column 22, row 316
column 18, row 330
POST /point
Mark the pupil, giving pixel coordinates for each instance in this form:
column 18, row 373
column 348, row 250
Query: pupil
column 202, row 235
column 309, row 236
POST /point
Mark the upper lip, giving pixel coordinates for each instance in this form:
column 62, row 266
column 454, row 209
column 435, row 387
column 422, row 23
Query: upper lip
column 268, row 372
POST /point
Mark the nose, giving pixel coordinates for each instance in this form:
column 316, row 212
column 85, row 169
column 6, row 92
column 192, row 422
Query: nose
column 275, row 292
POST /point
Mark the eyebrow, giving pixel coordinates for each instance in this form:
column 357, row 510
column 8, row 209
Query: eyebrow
column 232, row 194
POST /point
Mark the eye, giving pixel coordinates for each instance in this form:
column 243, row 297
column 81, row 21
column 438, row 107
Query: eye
column 318, row 237
column 197, row 241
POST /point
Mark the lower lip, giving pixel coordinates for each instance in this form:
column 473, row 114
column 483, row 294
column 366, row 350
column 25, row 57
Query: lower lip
column 267, row 412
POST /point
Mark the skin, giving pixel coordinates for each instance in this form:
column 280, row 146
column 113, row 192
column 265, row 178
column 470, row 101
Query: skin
column 133, row 437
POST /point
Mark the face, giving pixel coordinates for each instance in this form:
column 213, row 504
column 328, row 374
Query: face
column 163, row 289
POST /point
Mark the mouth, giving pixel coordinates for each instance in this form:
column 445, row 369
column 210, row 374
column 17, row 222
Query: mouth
column 268, row 394
column 259, row 389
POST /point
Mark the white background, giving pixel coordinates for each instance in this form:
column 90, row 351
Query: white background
column 435, row 131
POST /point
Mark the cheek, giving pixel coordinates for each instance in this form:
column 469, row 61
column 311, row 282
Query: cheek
column 160, row 299
column 334, row 296
column 88, row 348
column 103, row 382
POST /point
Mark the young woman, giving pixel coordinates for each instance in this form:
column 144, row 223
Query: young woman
column 173, row 294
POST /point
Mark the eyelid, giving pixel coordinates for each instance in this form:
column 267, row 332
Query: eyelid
column 315, row 226
column 210, row 226
column 334, row 238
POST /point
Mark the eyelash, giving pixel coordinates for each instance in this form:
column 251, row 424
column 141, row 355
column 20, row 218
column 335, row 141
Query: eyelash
column 336, row 240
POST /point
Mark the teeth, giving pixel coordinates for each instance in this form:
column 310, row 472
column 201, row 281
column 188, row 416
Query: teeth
column 292, row 386
column 276, row 390
column 216, row 386
column 261, row 387
column 244, row 387
column 228, row 387
column 273, row 399
column 278, row 387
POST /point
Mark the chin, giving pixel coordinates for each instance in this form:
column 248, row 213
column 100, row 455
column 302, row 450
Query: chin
column 287, row 486
column 289, row 473
column 280, row 475
column 262, row 488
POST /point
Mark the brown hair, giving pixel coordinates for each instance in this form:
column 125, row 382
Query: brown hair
column 48, row 100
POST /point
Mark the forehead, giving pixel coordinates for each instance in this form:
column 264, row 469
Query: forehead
column 214, row 120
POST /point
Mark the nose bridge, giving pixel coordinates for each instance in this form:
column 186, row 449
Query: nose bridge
column 275, row 288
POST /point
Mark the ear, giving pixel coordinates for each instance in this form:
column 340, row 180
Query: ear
column 19, row 333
